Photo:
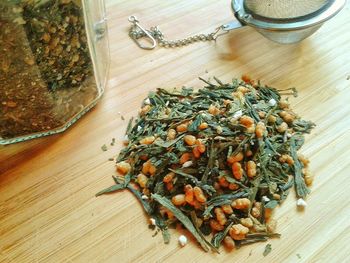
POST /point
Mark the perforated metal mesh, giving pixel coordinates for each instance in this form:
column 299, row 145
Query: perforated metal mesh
column 285, row 9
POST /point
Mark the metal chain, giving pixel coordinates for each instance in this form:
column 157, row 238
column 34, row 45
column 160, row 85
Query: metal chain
column 156, row 36
column 137, row 33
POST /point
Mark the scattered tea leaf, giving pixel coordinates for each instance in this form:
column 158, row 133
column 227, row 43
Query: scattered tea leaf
column 104, row 147
column 267, row 250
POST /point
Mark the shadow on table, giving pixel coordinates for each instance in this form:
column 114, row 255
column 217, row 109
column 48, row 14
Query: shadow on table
column 23, row 152
column 246, row 45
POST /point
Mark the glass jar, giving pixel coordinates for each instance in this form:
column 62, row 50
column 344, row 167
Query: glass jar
column 54, row 60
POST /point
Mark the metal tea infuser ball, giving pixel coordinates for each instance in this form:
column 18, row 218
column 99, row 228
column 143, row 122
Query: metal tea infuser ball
column 282, row 21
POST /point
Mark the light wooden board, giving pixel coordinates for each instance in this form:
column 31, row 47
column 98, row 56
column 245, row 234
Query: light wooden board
column 48, row 212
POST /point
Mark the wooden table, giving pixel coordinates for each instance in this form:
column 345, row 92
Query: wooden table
column 48, row 211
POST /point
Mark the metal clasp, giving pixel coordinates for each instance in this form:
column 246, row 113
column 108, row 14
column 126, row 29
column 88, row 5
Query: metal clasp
column 135, row 22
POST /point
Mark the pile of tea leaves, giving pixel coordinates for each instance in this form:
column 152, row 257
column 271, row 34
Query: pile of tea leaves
column 216, row 161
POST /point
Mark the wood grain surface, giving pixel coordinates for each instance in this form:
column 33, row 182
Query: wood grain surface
column 48, row 211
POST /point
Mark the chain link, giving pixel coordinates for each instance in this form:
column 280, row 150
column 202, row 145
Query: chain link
column 137, row 32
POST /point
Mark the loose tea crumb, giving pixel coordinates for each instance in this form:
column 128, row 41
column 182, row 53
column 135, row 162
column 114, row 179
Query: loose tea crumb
column 104, row 147
column 218, row 160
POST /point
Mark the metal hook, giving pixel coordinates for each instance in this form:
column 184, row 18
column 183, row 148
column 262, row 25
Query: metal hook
column 135, row 22
column 217, row 32
column 224, row 29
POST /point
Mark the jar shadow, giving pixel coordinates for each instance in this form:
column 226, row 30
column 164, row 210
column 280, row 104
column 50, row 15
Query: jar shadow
column 13, row 154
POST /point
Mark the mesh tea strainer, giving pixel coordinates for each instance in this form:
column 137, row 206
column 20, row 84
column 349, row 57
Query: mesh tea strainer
column 282, row 21
column 285, row 21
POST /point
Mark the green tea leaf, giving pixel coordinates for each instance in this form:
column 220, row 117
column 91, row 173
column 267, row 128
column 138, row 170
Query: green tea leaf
column 272, row 204
column 186, row 175
column 194, row 221
column 182, row 218
column 163, row 227
column 301, row 188
column 167, row 144
column 144, row 203
column 222, row 200
column 193, row 127
column 218, row 237
column 111, row 189
column 267, row 250
column 129, row 127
